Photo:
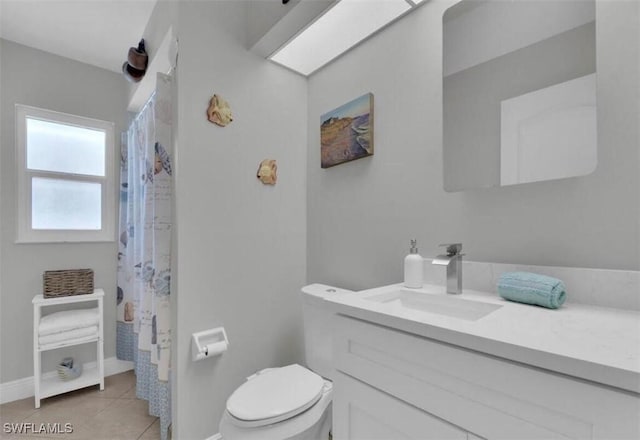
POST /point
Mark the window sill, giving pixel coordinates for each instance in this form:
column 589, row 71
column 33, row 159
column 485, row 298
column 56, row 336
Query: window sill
column 42, row 241
column 64, row 237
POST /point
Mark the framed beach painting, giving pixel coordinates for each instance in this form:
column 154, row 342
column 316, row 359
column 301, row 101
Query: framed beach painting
column 346, row 133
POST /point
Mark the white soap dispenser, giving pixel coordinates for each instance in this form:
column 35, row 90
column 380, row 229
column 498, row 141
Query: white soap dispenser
column 413, row 266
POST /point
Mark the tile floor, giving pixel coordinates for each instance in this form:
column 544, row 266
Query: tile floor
column 112, row 414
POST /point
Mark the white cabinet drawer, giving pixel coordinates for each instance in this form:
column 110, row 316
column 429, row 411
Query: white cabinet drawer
column 491, row 397
column 362, row 412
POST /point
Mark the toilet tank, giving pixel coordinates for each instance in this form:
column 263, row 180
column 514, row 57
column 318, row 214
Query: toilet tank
column 317, row 327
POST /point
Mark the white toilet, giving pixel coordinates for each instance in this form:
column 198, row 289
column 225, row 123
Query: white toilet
column 289, row 402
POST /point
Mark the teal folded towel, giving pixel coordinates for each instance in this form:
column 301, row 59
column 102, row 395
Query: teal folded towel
column 531, row 288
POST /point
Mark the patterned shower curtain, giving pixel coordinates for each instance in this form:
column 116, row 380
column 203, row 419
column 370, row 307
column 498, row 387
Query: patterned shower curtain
column 144, row 257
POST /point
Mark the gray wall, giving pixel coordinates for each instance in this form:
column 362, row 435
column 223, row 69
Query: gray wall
column 241, row 246
column 362, row 214
column 40, row 79
column 472, row 99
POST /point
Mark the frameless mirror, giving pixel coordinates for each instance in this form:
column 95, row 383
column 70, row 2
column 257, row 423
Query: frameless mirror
column 519, row 90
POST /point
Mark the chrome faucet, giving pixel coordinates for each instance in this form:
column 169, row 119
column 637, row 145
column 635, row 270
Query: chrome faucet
column 453, row 260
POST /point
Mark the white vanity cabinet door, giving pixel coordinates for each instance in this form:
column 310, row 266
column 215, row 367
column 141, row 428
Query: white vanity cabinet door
column 362, row 412
column 490, row 397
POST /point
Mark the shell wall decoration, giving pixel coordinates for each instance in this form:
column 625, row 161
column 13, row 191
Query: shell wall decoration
column 219, row 111
column 267, row 172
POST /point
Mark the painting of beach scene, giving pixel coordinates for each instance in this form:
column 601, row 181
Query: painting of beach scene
column 346, row 133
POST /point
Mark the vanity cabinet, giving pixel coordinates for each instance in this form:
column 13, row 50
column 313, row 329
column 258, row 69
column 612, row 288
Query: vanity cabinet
column 391, row 384
column 374, row 415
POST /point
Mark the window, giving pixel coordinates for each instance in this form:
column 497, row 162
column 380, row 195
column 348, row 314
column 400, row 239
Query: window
column 65, row 177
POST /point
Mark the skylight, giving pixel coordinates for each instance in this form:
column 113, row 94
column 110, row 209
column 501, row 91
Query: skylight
column 342, row 27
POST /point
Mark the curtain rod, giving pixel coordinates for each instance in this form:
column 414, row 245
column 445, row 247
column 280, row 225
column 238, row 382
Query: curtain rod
column 144, row 107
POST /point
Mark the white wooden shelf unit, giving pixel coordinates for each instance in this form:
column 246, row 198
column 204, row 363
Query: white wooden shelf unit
column 51, row 386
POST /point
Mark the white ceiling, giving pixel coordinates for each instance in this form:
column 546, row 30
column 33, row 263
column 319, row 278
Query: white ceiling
column 97, row 32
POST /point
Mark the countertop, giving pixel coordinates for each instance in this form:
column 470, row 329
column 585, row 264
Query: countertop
column 597, row 344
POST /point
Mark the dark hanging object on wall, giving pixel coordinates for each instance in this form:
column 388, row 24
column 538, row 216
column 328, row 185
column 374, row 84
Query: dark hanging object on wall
column 132, row 74
column 136, row 65
column 138, row 57
column 284, row 2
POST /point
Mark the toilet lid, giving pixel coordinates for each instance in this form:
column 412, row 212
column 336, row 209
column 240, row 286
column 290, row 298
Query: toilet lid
column 279, row 393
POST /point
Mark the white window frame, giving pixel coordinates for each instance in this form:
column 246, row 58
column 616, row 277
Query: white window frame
column 25, row 233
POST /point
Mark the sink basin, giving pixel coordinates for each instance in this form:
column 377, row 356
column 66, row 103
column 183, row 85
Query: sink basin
column 439, row 304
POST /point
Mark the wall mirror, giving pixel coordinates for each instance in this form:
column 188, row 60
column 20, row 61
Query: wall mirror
column 519, row 89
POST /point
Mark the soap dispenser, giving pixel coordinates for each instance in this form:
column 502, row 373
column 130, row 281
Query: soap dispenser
column 413, row 266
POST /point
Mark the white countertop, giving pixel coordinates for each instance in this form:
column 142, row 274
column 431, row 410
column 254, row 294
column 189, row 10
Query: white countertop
column 593, row 343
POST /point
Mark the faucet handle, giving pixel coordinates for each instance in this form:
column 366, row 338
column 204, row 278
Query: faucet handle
column 452, row 248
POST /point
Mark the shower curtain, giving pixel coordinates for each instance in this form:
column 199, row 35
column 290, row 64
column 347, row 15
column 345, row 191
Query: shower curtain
column 144, row 257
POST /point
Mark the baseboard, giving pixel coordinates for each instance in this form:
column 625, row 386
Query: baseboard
column 215, row 437
column 23, row 388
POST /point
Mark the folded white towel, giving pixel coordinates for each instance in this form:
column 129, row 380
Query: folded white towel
column 78, row 333
column 68, row 320
column 67, row 342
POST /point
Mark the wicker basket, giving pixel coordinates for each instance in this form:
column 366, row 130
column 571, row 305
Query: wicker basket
column 67, row 282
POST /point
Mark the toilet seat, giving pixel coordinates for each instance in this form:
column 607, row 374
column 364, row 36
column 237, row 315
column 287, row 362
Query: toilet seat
column 274, row 395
